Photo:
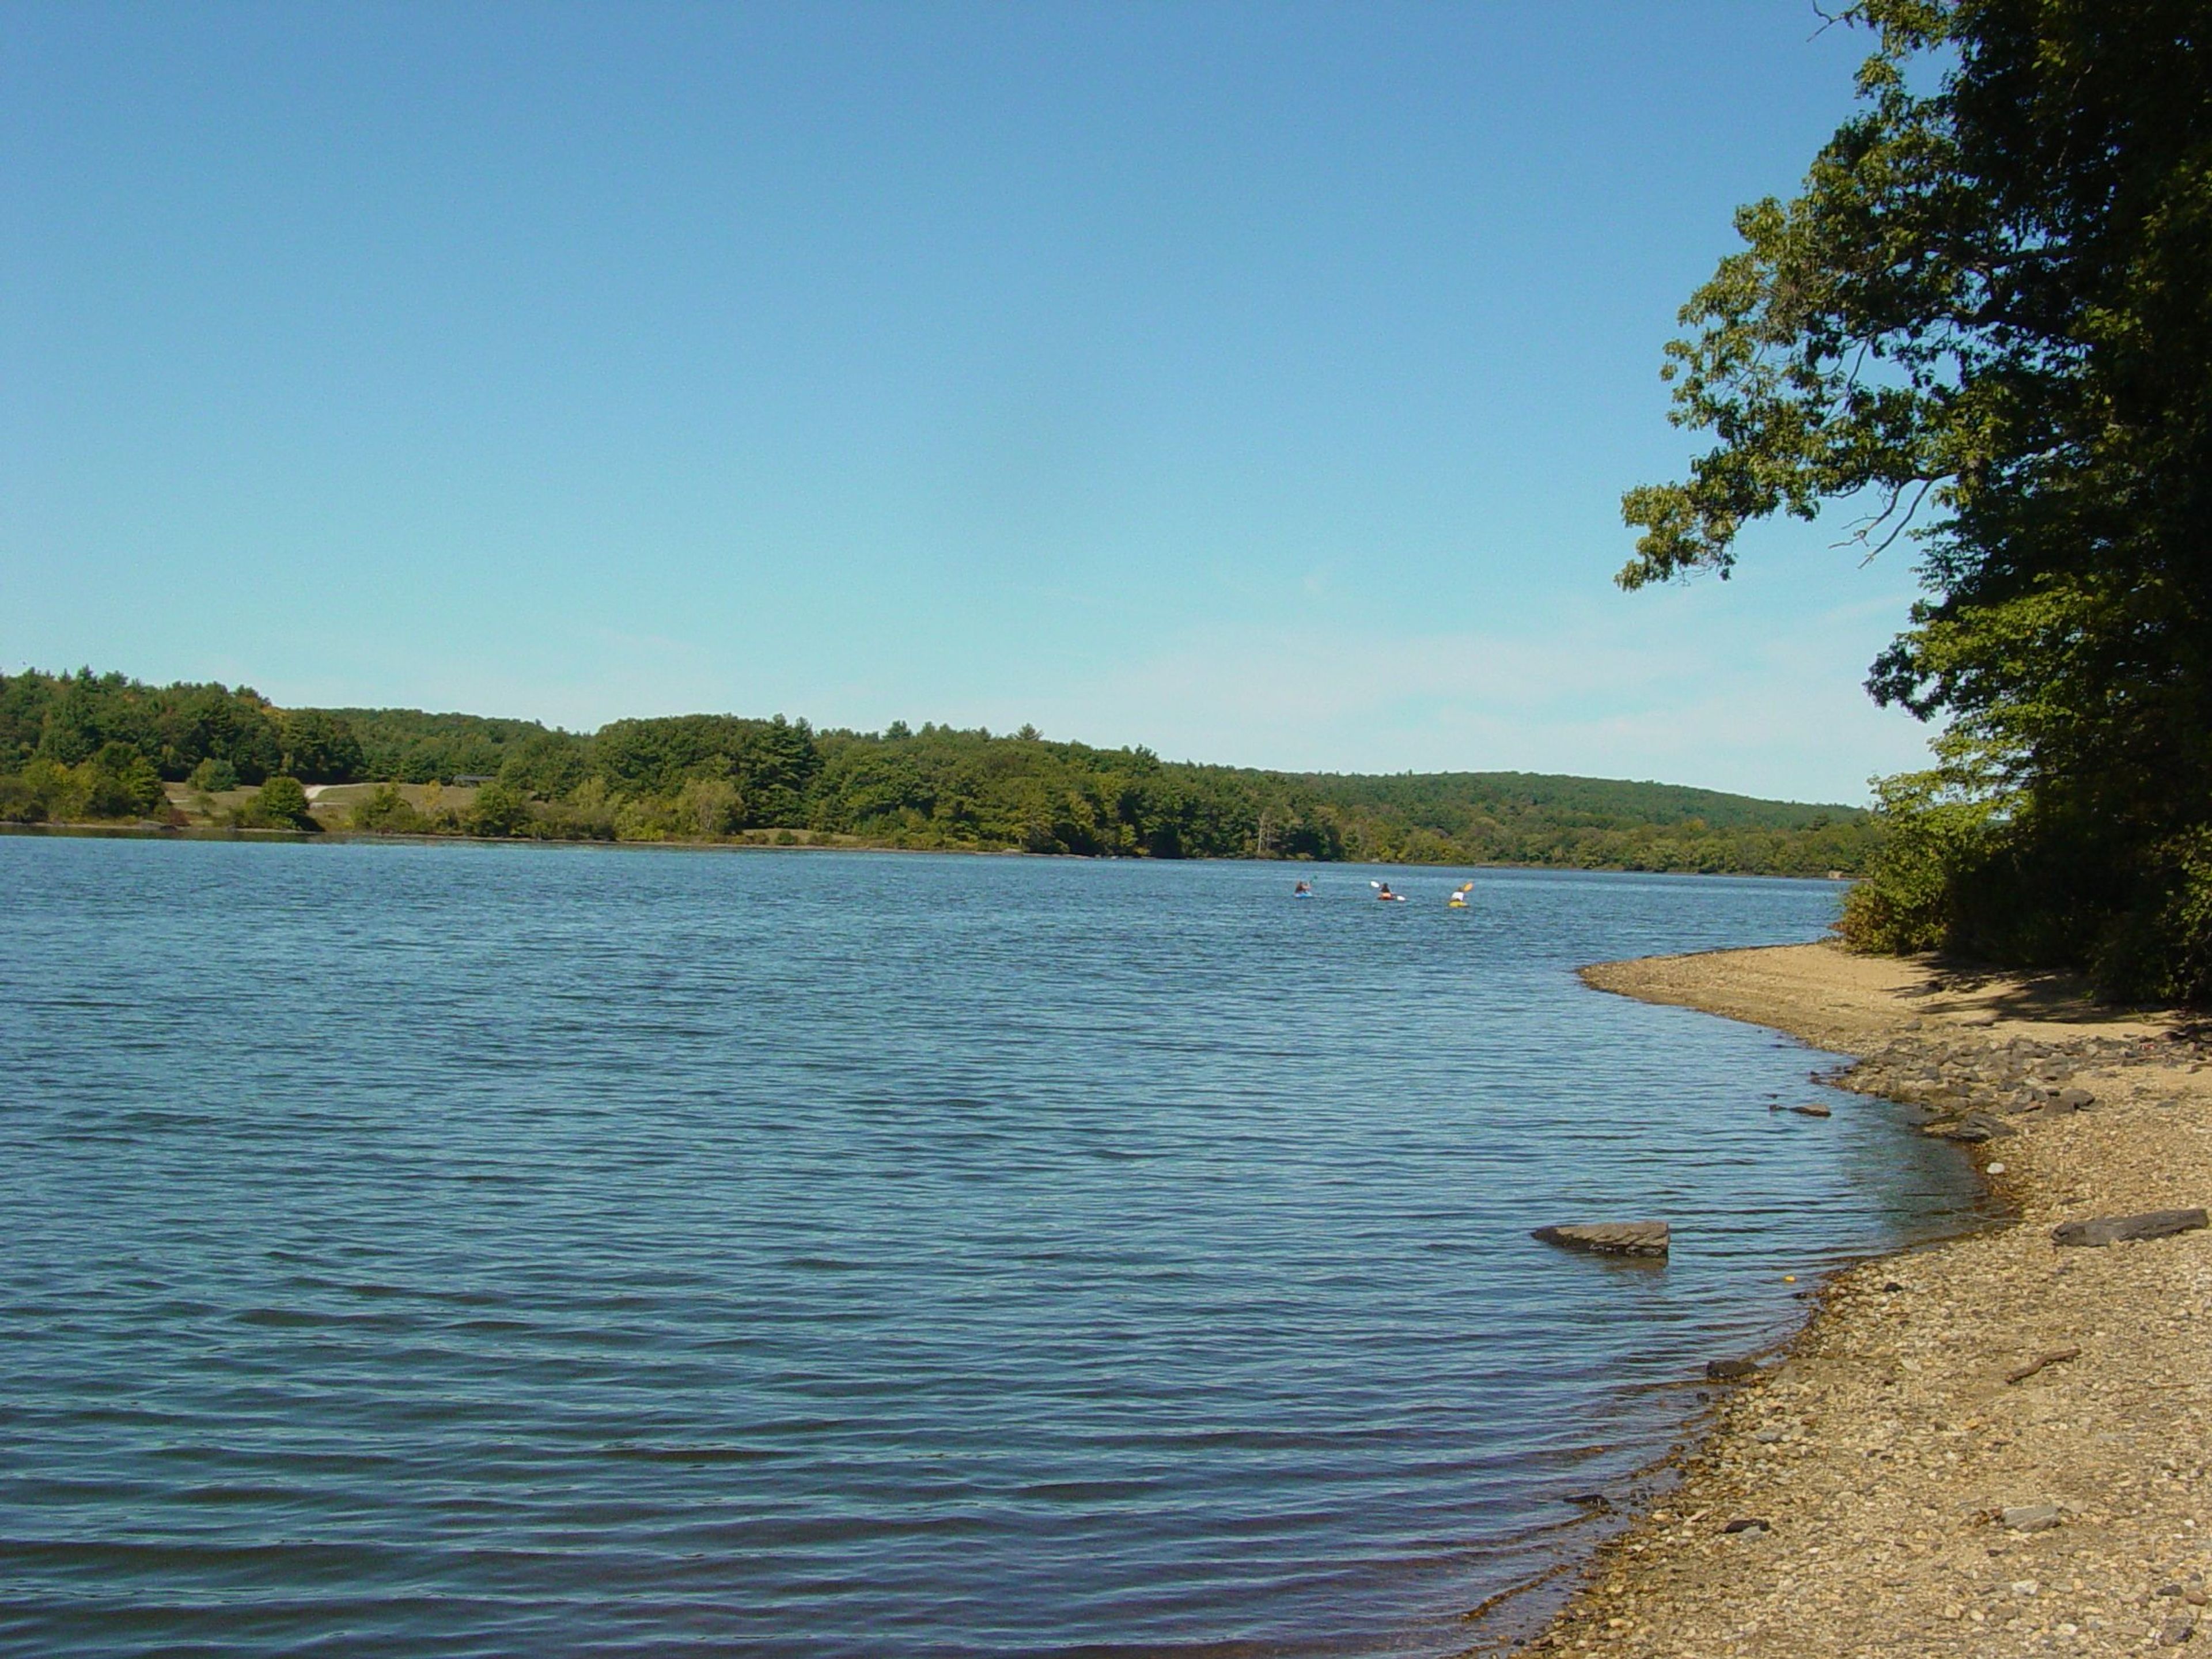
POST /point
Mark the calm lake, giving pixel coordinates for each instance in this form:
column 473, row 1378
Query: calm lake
column 466, row 1250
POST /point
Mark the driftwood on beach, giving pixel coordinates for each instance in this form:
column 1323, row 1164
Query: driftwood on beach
column 2128, row 1229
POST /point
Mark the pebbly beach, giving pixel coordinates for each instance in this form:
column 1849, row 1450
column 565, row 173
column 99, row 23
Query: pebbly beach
column 1994, row 1444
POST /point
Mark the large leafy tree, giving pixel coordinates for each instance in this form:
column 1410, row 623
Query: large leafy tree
column 319, row 747
column 1987, row 322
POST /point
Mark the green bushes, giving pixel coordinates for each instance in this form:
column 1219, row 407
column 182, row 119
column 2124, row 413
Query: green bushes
column 585, row 814
column 388, row 812
column 2006, row 879
column 1910, row 900
column 279, row 804
column 115, row 784
column 19, row 802
column 2168, row 955
column 120, row 783
column 497, row 811
column 709, row 808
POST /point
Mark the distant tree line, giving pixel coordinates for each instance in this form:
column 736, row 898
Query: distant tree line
column 86, row 747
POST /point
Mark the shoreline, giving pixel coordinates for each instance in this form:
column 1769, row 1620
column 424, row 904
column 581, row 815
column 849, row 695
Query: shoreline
column 149, row 831
column 1988, row 1443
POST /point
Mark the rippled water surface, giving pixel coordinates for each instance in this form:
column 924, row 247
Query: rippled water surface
column 459, row 1250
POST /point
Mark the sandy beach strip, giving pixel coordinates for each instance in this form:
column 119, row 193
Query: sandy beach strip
column 1997, row 1445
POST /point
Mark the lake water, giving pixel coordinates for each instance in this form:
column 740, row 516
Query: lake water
column 463, row 1250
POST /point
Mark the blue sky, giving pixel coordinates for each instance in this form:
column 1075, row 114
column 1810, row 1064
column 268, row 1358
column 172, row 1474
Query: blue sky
column 1256, row 382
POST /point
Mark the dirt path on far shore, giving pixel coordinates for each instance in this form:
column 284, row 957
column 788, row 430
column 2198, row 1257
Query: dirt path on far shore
column 1936, row 1390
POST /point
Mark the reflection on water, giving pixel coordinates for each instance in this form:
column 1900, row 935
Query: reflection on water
column 443, row 1251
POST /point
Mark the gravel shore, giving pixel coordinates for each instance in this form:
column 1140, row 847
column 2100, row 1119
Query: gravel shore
column 1997, row 1445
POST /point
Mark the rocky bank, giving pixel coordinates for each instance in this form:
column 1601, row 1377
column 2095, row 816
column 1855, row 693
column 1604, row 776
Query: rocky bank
column 1998, row 1444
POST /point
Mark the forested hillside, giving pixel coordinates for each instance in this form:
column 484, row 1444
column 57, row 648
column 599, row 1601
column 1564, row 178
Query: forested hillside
column 1529, row 817
column 87, row 748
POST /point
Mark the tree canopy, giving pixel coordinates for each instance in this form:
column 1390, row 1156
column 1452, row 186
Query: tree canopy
column 1984, row 323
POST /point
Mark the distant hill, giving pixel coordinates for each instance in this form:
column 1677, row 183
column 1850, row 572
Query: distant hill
column 92, row 747
column 1532, row 817
column 1606, row 802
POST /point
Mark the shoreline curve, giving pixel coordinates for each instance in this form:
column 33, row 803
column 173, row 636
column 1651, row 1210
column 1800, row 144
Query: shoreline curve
column 1989, row 1443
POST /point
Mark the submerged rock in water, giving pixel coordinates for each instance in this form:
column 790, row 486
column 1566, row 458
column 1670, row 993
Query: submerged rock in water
column 1609, row 1238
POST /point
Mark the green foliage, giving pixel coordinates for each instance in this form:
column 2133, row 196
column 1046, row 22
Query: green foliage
column 68, row 720
column 407, row 745
column 709, row 807
column 319, row 747
column 213, row 777
column 121, row 783
column 769, row 763
column 389, row 813
column 1988, row 303
column 52, row 792
column 544, row 764
column 21, row 802
column 1515, row 818
column 116, row 782
column 497, row 810
column 718, row 777
column 236, row 729
column 587, row 814
column 1909, row 900
column 279, row 804
column 2169, row 954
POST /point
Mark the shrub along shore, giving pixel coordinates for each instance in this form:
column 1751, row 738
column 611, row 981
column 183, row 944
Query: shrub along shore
column 87, row 749
column 1996, row 1445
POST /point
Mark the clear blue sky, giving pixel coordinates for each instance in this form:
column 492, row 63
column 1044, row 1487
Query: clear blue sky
column 1257, row 382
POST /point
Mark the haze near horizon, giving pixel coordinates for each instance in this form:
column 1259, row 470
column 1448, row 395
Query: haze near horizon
column 1256, row 385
